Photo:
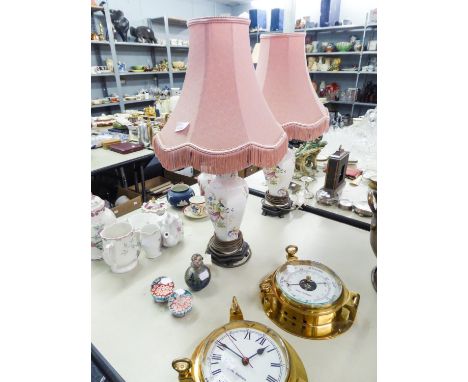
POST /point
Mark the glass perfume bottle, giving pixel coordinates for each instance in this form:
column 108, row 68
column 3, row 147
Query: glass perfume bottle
column 198, row 275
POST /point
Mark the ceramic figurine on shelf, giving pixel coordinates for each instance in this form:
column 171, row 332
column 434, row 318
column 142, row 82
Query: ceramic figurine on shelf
column 357, row 46
column 120, row 23
column 143, row 34
column 335, row 65
column 110, row 64
column 315, row 46
column 101, row 32
column 197, row 275
column 312, row 64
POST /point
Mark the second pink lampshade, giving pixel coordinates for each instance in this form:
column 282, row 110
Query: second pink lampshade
column 284, row 79
column 230, row 126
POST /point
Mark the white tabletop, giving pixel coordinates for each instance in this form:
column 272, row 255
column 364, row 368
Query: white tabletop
column 102, row 159
column 357, row 193
column 140, row 338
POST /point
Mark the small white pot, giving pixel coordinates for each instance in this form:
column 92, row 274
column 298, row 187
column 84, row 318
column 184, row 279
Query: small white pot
column 279, row 177
column 226, row 198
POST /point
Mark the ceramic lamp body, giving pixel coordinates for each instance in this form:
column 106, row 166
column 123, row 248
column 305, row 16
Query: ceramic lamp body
column 226, row 198
column 279, row 177
column 203, row 180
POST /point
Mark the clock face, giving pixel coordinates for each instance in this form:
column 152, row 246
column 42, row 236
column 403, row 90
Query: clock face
column 310, row 284
column 247, row 355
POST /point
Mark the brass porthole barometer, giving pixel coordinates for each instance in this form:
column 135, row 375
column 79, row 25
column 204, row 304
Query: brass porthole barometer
column 308, row 299
column 242, row 351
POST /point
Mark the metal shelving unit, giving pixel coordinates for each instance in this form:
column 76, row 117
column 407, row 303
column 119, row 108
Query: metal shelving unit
column 365, row 29
column 142, row 74
column 169, row 22
column 115, row 46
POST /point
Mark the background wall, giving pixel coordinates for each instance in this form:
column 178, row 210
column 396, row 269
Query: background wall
column 355, row 10
column 137, row 11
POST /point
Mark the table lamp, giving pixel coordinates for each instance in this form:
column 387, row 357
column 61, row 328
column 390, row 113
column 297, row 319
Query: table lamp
column 284, row 80
column 221, row 124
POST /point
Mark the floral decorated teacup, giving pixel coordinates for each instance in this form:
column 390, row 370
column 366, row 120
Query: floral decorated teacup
column 197, row 205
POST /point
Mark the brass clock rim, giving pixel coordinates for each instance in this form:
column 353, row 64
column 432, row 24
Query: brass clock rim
column 335, row 333
column 316, row 322
column 323, row 309
column 200, row 351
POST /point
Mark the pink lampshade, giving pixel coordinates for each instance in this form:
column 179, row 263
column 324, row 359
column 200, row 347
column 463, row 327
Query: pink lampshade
column 230, row 125
column 284, row 79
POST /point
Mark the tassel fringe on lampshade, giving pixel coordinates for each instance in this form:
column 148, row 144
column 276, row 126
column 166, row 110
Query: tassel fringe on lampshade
column 285, row 82
column 229, row 125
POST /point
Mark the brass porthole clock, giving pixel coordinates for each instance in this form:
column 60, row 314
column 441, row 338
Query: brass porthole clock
column 308, row 299
column 242, row 351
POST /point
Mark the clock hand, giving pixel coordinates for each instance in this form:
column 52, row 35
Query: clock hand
column 259, row 352
column 245, row 360
column 228, row 348
column 300, row 284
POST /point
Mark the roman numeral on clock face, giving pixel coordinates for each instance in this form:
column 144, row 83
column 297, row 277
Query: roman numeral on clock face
column 216, row 357
column 271, row 379
column 219, row 345
column 261, row 340
column 275, row 364
column 232, row 337
column 247, row 334
column 217, row 371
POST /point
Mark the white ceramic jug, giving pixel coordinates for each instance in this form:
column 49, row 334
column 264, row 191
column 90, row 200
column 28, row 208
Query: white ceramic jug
column 120, row 247
column 100, row 218
column 150, row 239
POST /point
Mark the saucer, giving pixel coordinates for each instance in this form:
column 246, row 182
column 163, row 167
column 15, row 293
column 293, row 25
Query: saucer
column 188, row 212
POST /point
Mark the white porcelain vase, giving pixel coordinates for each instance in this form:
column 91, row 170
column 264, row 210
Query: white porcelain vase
column 226, row 198
column 203, row 180
column 101, row 217
column 279, row 177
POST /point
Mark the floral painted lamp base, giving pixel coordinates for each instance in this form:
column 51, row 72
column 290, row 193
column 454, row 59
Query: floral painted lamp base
column 229, row 254
column 276, row 206
column 277, row 201
column 226, row 198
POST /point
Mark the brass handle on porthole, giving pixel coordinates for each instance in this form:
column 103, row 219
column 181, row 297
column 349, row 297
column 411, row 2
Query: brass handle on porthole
column 372, row 200
column 183, row 366
column 352, row 304
column 291, row 251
